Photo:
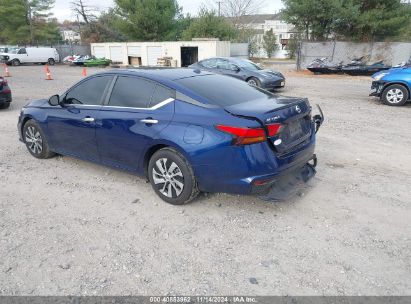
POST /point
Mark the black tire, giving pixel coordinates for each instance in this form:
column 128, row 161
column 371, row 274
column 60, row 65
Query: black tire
column 15, row 62
column 166, row 159
column 51, row 61
column 5, row 105
column 395, row 95
column 254, row 82
column 39, row 148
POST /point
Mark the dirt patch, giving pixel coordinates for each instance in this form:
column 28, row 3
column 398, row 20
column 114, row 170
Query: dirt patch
column 70, row 227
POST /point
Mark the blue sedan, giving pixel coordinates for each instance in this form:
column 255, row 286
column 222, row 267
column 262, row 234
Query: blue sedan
column 185, row 130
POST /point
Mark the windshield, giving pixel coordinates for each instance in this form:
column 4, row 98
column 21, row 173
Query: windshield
column 247, row 64
column 13, row 50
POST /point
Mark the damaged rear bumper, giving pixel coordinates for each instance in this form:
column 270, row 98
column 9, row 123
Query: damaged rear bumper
column 286, row 184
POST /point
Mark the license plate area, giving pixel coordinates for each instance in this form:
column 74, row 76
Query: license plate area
column 295, row 133
column 295, row 129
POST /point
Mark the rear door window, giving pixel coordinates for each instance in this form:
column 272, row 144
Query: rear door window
column 131, row 92
column 209, row 63
column 222, row 90
column 89, row 92
column 161, row 94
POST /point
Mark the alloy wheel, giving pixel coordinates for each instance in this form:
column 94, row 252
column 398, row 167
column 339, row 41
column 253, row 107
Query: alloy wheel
column 168, row 178
column 252, row 82
column 395, row 95
column 33, row 139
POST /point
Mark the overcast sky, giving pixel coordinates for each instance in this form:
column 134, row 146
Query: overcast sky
column 62, row 7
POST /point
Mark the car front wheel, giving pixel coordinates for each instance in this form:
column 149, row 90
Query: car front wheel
column 51, row 61
column 254, row 82
column 395, row 95
column 35, row 140
column 172, row 177
column 15, row 62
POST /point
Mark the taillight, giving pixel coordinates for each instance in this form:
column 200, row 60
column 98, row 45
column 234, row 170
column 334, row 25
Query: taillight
column 248, row 136
column 274, row 129
column 244, row 136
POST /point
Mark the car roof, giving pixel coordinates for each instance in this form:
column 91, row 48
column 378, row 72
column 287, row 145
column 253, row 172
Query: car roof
column 227, row 58
column 158, row 74
column 165, row 76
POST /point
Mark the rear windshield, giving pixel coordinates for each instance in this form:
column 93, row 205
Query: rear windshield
column 223, row 91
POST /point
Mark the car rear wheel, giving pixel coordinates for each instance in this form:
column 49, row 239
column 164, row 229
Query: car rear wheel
column 172, row 177
column 35, row 140
column 15, row 62
column 51, row 61
column 254, row 82
column 395, row 95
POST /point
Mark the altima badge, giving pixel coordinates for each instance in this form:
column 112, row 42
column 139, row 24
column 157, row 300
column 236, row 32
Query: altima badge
column 298, row 109
column 272, row 119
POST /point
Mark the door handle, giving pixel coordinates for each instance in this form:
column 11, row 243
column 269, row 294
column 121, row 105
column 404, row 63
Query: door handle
column 88, row 119
column 149, row 121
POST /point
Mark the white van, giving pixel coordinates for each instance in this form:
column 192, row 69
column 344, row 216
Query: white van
column 17, row 56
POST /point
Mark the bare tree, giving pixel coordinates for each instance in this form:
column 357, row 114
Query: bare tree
column 87, row 12
column 236, row 10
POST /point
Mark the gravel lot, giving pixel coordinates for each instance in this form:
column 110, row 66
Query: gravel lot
column 72, row 227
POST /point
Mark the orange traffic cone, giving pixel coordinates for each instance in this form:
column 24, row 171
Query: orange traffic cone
column 48, row 73
column 6, row 70
column 84, row 73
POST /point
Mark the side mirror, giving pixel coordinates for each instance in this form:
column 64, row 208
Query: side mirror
column 235, row 68
column 54, row 100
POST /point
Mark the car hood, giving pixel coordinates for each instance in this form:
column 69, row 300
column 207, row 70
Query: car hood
column 38, row 103
column 274, row 109
column 399, row 70
column 269, row 73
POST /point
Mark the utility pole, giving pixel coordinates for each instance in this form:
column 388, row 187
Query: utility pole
column 219, row 8
column 79, row 27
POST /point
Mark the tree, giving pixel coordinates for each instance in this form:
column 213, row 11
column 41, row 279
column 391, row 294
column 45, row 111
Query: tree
column 315, row 18
column 209, row 25
column 269, row 43
column 367, row 20
column 13, row 22
column 361, row 20
column 104, row 29
column 27, row 21
column 148, row 20
column 252, row 48
column 81, row 8
column 237, row 9
column 37, row 11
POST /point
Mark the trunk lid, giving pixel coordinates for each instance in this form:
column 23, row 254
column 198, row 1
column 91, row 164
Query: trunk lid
column 293, row 113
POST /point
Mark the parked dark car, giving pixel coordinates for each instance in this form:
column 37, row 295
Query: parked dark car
column 185, row 130
column 242, row 69
column 5, row 94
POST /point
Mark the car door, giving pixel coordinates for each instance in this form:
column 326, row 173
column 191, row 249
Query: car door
column 133, row 115
column 227, row 68
column 22, row 55
column 72, row 128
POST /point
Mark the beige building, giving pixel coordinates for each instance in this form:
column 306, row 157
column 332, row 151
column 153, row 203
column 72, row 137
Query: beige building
column 180, row 53
column 262, row 23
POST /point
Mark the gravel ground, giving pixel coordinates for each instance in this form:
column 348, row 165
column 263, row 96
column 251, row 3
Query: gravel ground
column 72, row 227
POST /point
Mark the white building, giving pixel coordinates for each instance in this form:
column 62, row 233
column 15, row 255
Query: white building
column 263, row 23
column 181, row 53
column 70, row 35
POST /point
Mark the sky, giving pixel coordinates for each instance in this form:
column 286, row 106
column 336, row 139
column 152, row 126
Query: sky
column 62, row 10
